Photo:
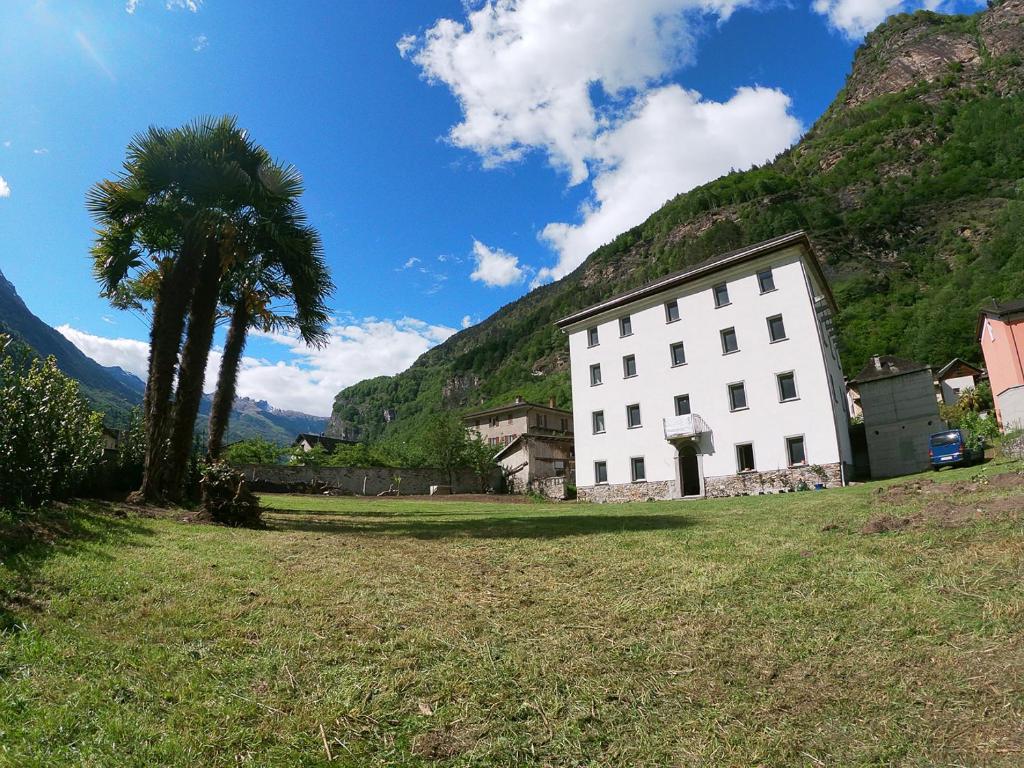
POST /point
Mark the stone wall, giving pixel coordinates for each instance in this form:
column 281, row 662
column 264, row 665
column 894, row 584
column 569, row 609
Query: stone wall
column 1013, row 446
column 554, row 488
column 774, row 481
column 657, row 490
column 747, row 484
column 356, row 481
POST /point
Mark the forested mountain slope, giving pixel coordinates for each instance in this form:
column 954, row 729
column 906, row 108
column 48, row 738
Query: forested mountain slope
column 911, row 186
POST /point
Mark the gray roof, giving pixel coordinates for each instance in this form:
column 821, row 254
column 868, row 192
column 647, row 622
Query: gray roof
column 953, row 363
column 709, row 266
column 887, row 366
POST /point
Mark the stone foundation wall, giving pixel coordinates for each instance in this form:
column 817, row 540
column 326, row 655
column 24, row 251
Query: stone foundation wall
column 774, row 481
column 657, row 490
column 354, row 481
column 1013, row 447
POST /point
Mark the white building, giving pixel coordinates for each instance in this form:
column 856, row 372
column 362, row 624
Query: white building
column 718, row 380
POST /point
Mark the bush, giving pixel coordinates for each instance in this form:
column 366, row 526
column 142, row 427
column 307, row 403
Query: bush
column 254, row 451
column 50, row 439
column 227, row 498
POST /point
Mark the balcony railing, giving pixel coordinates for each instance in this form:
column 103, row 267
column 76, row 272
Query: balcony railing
column 690, row 425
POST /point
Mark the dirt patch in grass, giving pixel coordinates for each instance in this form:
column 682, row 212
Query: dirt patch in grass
column 948, row 505
column 439, row 744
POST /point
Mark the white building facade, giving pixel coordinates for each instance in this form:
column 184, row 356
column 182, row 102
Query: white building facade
column 721, row 380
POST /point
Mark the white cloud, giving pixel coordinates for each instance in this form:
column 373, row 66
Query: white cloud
column 200, row 43
column 584, row 82
column 855, row 18
column 131, row 6
column 467, row 321
column 411, row 262
column 41, row 151
column 5, row 188
column 307, row 379
column 495, row 267
column 7, row 144
column 670, row 142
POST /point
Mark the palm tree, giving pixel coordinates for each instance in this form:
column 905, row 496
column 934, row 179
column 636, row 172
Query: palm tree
column 286, row 268
column 163, row 222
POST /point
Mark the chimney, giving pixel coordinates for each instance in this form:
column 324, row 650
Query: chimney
column 878, row 362
column 519, row 400
column 551, row 403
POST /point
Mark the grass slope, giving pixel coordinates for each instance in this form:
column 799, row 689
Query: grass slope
column 753, row 631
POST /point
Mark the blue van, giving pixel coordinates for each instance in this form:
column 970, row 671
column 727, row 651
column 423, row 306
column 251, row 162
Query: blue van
column 948, row 449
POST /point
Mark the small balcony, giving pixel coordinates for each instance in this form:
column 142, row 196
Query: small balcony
column 690, row 425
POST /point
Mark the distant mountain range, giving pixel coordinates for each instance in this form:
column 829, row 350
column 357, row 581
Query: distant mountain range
column 116, row 392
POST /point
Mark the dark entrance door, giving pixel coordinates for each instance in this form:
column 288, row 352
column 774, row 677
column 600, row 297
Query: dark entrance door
column 689, row 472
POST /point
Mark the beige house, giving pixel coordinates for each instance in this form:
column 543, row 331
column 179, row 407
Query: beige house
column 532, row 442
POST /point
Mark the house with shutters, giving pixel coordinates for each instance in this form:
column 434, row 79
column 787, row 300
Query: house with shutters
column 1001, row 334
column 721, row 379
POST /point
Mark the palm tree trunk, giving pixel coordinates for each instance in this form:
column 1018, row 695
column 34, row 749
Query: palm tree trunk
column 202, row 319
column 227, row 381
column 169, row 309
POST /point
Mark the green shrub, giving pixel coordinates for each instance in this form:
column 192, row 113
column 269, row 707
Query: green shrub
column 50, row 439
column 254, row 451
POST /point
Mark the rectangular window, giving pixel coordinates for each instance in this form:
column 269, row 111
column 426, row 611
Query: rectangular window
column 682, row 405
column 595, row 374
column 787, row 386
column 729, row 342
column 766, row 281
column 633, row 416
column 737, row 397
column 629, row 366
column 600, row 472
column 559, row 466
column 721, row 295
column 745, row 457
column 678, row 354
column 625, row 326
column 795, row 451
column 592, row 338
column 637, row 470
column 598, row 419
column 776, row 328
column 564, row 424
column 671, row 311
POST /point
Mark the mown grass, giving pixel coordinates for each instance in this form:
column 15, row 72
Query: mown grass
column 754, row 631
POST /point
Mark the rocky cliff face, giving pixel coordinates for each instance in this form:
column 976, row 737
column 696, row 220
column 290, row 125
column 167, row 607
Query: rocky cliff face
column 909, row 185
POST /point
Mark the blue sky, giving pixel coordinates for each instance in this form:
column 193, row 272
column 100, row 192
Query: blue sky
column 454, row 153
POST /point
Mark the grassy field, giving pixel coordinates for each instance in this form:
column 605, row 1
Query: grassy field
column 756, row 631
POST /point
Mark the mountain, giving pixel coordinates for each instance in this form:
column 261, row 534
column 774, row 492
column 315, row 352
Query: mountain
column 910, row 186
column 116, row 392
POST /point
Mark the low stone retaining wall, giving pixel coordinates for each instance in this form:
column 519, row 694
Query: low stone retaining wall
column 748, row 484
column 554, row 488
column 1013, row 447
column 656, row 490
column 774, row 481
column 355, row 481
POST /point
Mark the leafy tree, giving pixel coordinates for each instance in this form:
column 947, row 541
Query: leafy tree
column 478, row 456
column 314, row 457
column 443, row 444
column 254, row 451
column 50, row 439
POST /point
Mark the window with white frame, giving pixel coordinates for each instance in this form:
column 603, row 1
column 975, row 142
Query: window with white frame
column 729, row 342
column 600, row 472
column 625, row 326
column 737, row 396
column 633, row 416
column 629, row 366
column 595, row 374
column 597, row 417
column 745, row 457
column 682, row 405
column 721, row 292
column 776, row 328
column 671, row 311
column 678, row 354
column 636, row 469
column 592, row 338
column 795, row 451
column 787, row 386
column 766, row 280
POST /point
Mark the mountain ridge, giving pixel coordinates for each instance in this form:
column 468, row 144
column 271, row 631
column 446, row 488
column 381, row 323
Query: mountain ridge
column 908, row 185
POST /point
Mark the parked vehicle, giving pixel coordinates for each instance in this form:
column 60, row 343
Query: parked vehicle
column 952, row 448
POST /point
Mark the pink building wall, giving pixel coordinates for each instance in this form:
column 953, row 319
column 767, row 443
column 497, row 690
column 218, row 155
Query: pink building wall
column 1002, row 344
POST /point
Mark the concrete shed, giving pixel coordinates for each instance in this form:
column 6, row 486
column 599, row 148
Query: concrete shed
column 900, row 413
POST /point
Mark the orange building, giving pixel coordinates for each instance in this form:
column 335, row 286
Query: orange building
column 1001, row 333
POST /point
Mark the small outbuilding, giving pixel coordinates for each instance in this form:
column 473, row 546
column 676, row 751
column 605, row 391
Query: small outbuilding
column 956, row 376
column 900, row 413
